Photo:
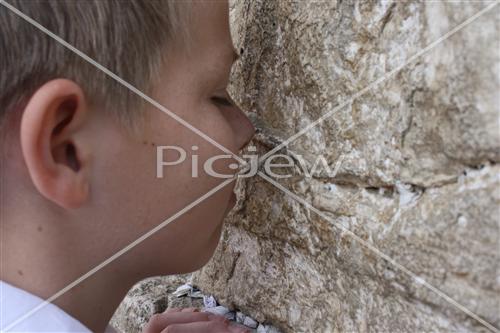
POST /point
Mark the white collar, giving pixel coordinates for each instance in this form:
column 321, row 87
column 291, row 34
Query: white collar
column 15, row 302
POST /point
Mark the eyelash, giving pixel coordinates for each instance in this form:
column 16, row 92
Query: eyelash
column 222, row 101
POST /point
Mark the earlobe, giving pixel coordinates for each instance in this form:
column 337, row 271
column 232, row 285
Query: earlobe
column 52, row 149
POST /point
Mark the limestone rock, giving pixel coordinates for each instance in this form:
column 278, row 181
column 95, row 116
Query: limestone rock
column 418, row 177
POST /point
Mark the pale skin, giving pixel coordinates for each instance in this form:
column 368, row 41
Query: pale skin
column 78, row 186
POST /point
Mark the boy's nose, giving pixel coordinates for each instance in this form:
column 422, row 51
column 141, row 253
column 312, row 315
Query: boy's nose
column 244, row 129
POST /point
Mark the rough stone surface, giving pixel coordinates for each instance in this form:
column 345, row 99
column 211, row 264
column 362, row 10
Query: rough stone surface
column 418, row 176
column 417, row 169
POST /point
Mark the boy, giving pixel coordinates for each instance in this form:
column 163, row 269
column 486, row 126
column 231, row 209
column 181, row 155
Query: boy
column 78, row 175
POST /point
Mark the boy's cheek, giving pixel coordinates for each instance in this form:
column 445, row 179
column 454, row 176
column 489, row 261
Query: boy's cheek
column 137, row 201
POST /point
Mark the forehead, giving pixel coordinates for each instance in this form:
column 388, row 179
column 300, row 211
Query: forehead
column 209, row 30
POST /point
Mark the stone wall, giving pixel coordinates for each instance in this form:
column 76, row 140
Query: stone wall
column 417, row 168
column 418, row 176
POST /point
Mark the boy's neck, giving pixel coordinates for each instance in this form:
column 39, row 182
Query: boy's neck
column 92, row 302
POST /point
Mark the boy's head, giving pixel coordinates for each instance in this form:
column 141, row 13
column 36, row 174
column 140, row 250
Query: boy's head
column 79, row 174
column 129, row 38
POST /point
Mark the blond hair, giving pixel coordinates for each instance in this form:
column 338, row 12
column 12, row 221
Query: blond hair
column 127, row 37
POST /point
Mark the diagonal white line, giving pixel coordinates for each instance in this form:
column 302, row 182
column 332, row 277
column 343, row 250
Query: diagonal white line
column 119, row 80
column 380, row 80
column 119, row 253
column 382, row 255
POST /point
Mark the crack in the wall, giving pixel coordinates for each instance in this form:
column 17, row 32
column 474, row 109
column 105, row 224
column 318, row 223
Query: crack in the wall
column 233, row 267
column 270, row 141
column 387, row 17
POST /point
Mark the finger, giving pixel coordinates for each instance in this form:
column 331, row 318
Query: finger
column 198, row 327
column 190, row 310
column 214, row 317
column 159, row 321
column 169, row 310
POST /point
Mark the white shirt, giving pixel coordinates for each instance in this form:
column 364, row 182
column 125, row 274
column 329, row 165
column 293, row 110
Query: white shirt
column 15, row 302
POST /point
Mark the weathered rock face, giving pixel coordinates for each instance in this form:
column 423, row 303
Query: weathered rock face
column 417, row 172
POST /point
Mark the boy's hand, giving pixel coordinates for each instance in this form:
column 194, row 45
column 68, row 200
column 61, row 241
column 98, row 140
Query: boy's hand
column 190, row 320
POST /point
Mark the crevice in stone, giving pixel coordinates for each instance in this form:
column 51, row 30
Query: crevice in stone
column 387, row 17
column 479, row 165
column 405, row 131
column 265, row 139
column 233, row 267
column 270, row 141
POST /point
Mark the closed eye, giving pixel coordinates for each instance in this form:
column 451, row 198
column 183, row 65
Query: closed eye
column 222, row 101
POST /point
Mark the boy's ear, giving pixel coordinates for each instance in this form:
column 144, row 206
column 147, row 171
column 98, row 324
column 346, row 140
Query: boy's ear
column 54, row 153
